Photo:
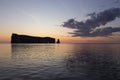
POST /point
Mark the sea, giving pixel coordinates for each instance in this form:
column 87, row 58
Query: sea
column 60, row 61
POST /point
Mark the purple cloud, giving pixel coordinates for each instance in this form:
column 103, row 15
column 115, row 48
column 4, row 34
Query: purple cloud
column 91, row 27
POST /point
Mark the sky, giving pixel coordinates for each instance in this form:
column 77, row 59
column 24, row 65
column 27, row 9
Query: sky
column 53, row 18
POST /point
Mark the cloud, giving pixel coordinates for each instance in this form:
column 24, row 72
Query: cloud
column 116, row 1
column 91, row 27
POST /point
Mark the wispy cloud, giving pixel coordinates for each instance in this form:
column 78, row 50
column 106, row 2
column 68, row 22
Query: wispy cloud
column 92, row 26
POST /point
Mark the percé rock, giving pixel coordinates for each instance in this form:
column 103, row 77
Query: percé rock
column 15, row 38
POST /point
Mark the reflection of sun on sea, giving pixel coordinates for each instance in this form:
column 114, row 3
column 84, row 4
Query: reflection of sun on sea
column 5, row 50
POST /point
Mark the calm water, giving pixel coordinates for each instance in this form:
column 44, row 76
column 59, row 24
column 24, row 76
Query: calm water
column 60, row 62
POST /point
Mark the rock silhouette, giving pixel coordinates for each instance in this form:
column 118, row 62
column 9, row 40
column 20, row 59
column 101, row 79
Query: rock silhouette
column 58, row 41
column 15, row 38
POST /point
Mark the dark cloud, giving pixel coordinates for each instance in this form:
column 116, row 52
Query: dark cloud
column 116, row 1
column 91, row 27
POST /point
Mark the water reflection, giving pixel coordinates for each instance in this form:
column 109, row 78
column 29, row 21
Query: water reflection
column 31, row 51
column 94, row 62
column 5, row 50
column 66, row 61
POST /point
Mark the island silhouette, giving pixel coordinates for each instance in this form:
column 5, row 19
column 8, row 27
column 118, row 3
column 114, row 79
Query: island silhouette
column 16, row 38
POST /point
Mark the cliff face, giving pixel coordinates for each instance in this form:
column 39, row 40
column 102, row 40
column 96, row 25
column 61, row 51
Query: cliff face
column 15, row 38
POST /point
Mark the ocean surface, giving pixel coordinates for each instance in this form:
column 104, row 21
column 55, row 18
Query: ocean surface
column 59, row 61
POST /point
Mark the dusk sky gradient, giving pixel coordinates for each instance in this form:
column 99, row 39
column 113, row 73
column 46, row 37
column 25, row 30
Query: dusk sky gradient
column 45, row 18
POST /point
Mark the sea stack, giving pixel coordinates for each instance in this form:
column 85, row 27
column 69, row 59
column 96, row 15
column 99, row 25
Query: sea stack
column 16, row 38
column 58, row 41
